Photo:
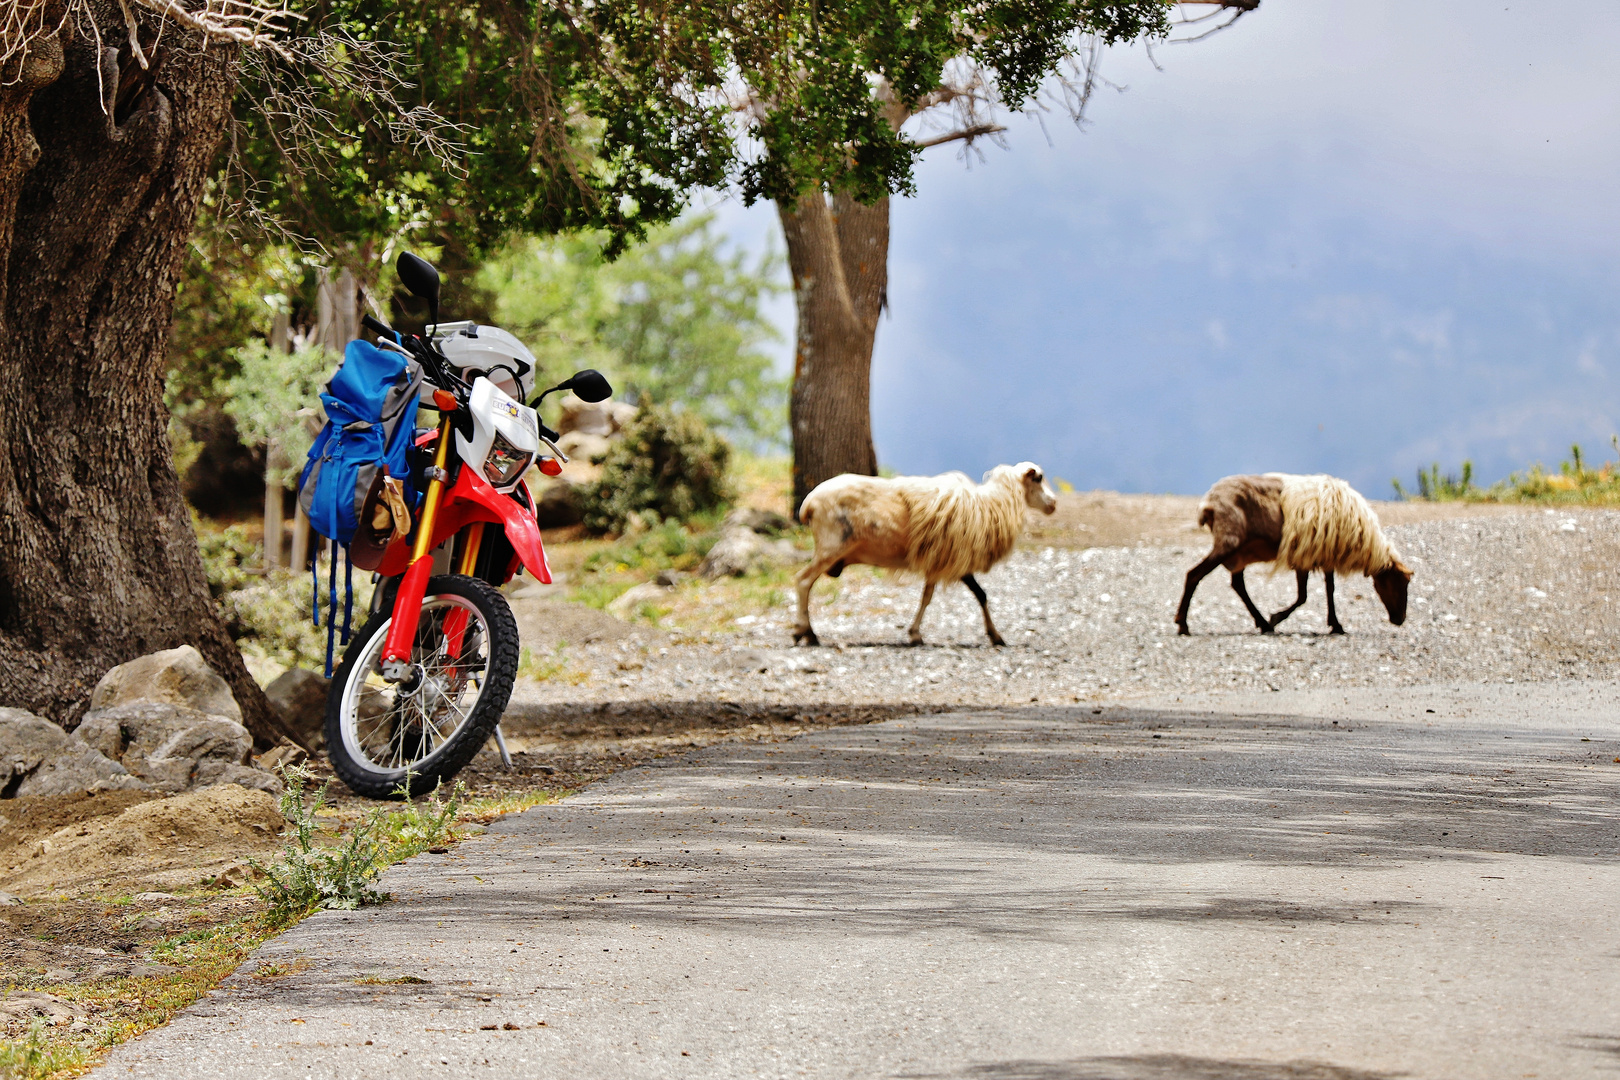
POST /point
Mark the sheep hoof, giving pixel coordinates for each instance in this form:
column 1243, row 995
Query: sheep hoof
column 1265, row 628
column 807, row 636
column 1182, row 631
column 912, row 643
column 1336, row 630
column 995, row 639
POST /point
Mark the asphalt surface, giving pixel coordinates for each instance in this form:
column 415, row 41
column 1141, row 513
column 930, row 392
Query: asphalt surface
column 1331, row 885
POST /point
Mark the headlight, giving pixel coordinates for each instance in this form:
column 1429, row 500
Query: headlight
column 505, row 462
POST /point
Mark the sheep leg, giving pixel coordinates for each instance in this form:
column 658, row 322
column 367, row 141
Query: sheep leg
column 1243, row 594
column 1301, row 575
column 1333, row 616
column 984, row 606
column 1194, row 576
column 805, row 579
column 916, row 624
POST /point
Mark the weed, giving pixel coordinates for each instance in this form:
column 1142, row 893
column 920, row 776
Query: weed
column 418, row 826
column 397, row 980
column 35, row 1056
column 549, row 668
column 310, row 877
column 1573, row 482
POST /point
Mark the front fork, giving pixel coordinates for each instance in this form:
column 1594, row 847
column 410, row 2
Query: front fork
column 396, row 655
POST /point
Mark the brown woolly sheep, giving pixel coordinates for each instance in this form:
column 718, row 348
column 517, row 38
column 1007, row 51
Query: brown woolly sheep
column 943, row 528
column 1298, row 523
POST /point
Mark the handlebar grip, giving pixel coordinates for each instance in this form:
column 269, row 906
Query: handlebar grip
column 376, row 325
column 548, row 433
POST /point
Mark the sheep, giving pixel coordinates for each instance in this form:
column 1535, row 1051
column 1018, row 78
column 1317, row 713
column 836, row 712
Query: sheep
column 944, row 528
column 1298, row 523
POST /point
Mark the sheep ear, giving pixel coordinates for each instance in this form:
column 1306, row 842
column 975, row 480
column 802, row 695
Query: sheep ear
column 1032, row 473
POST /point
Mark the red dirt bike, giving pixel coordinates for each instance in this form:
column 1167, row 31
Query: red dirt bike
column 422, row 686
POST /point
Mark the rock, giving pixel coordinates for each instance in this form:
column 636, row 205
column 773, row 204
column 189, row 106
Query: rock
column 298, row 696
column 625, row 605
column 7, row 900
column 558, row 505
column 602, row 418
column 27, row 1004
column 174, row 748
column 39, row 758
column 583, row 446
column 765, row 522
column 741, row 549
column 175, row 676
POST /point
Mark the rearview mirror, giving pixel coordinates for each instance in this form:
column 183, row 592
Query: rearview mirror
column 418, row 275
column 589, row 385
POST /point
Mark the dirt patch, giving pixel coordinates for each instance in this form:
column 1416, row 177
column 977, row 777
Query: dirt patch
column 153, row 844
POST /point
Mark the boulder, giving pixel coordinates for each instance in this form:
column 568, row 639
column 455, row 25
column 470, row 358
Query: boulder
column 175, row 676
column 741, row 549
column 174, row 748
column 603, row 418
column 298, row 696
column 765, row 522
column 39, row 758
column 558, row 505
column 627, row 602
column 583, row 446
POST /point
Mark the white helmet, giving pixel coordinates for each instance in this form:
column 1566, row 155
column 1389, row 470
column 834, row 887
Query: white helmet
column 488, row 351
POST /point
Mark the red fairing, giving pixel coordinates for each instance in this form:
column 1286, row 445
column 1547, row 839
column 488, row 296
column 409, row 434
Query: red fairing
column 471, row 499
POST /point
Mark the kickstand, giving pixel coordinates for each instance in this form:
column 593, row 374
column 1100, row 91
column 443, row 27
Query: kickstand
column 500, row 741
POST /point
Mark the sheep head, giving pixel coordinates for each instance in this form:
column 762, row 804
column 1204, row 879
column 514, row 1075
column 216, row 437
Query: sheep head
column 1390, row 584
column 1037, row 495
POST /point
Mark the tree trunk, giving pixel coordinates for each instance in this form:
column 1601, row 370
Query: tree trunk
column 98, row 563
column 838, row 252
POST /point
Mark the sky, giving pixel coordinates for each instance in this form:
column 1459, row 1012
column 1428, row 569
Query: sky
column 1354, row 238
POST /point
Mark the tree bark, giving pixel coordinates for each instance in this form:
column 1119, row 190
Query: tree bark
column 838, row 253
column 102, row 165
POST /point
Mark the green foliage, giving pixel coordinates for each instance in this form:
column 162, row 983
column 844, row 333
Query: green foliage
column 666, row 466
column 1574, row 483
column 417, row 826
column 274, row 397
column 270, row 616
column 675, row 319
column 1433, row 487
column 32, row 1057
column 309, row 876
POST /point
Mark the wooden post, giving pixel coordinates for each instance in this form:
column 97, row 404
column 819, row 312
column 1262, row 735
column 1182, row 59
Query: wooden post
column 273, row 487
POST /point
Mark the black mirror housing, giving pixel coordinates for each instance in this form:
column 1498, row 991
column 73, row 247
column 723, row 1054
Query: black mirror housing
column 589, row 385
column 418, row 275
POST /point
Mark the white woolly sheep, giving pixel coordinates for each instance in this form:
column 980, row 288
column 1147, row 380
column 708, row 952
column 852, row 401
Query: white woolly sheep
column 1298, row 523
column 942, row 528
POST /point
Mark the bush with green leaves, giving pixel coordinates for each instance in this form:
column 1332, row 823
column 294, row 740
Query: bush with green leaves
column 310, row 877
column 667, row 466
column 33, row 1057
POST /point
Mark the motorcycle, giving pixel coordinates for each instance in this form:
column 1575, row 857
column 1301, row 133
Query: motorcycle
column 422, row 686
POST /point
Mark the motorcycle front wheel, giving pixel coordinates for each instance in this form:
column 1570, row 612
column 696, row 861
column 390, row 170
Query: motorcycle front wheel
column 381, row 735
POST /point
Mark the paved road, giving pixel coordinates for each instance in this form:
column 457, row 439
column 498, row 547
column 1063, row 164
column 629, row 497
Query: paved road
column 1318, row 886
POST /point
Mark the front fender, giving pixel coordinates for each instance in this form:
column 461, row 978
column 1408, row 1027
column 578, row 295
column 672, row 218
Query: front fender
column 469, row 500
column 522, row 531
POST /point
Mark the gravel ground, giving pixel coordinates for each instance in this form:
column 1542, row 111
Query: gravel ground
column 1499, row 597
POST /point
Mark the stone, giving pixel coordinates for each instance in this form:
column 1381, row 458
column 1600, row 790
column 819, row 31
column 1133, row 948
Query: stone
column 27, row 1004
column 766, row 522
column 298, row 696
column 625, row 605
column 740, row 550
column 175, row 676
column 39, row 758
column 8, row 900
column 602, row 418
column 583, row 446
column 558, row 505
column 281, row 756
column 174, row 748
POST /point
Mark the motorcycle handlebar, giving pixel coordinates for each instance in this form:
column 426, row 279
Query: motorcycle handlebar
column 376, row 325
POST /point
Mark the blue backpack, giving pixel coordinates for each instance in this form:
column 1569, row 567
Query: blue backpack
column 370, row 406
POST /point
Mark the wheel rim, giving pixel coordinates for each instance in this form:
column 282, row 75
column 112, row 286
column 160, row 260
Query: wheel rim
column 390, row 729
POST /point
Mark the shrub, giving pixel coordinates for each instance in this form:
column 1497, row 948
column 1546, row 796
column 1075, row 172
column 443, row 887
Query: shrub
column 310, row 877
column 668, row 466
